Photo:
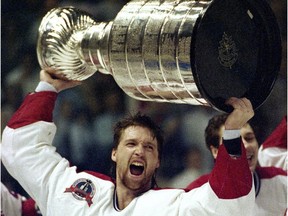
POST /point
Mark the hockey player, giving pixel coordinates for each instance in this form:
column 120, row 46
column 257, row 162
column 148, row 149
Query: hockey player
column 270, row 182
column 59, row 189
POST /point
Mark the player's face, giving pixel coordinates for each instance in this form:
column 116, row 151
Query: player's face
column 136, row 159
column 251, row 145
column 250, row 142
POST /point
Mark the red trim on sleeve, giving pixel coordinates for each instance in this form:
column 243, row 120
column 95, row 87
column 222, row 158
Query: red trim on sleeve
column 231, row 178
column 198, row 182
column 278, row 138
column 36, row 107
column 100, row 175
column 270, row 172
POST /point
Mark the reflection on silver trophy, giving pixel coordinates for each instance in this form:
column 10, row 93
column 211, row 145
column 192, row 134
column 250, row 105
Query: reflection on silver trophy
column 165, row 51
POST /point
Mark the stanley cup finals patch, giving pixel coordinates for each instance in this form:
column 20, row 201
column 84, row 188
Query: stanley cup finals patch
column 82, row 189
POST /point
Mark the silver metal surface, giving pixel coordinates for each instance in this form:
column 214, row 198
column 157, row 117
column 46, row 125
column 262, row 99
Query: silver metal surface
column 146, row 48
column 152, row 52
column 60, row 34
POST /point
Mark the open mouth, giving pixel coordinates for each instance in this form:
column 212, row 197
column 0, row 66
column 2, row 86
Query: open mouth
column 136, row 168
column 249, row 157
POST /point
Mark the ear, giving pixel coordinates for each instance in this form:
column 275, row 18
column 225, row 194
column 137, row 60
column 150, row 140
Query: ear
column 113, row 155
column 158, row 164
column 214, row 151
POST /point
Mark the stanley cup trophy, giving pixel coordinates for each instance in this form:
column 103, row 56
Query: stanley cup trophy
column 178, row 51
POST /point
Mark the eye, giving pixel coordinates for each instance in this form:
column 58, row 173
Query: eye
column 250, row 138
column 130, row 144
column 149, row 147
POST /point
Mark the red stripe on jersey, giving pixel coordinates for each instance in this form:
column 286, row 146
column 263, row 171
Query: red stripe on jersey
column 278, row 137
column 198, row 182
column 101, row 176
column 36, row 107
column 270, row 172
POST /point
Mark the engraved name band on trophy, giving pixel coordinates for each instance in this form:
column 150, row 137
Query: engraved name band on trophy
column 193, row 52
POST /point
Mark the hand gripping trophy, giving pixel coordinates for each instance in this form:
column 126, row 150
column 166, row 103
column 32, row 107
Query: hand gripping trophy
column 178, row 51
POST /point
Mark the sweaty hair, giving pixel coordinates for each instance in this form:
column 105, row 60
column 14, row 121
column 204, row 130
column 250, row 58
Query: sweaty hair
column 212, row 136
column 139, row 120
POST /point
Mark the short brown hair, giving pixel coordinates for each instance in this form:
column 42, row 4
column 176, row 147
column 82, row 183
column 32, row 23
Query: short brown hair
column 212, row 136
column 139, row 120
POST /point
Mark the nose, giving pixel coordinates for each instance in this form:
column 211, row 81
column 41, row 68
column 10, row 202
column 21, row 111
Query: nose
column 247, row 145
column 139, row 150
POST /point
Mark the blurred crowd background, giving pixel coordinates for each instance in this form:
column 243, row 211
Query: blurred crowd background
column 86, row 114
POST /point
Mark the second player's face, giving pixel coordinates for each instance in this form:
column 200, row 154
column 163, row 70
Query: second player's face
column 136, row 159
column 250, row 143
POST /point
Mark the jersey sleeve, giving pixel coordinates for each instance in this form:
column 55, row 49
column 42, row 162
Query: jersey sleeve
column 231, row 176
column 273, row 151
column 27, row 150
column 227, row 190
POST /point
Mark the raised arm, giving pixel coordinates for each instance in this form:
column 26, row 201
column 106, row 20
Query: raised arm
column 231, row 176
column 27, row 150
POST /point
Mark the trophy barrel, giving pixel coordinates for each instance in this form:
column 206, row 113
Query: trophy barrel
column 196, row 52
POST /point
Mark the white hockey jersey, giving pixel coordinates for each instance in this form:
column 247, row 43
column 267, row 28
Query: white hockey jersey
column 58, row 189
column 273, row 151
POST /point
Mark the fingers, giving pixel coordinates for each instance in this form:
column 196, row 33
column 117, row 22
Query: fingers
column 58, row 84
column 240, row 103
column 45, row 76
column 64, row 84
column 241, row 114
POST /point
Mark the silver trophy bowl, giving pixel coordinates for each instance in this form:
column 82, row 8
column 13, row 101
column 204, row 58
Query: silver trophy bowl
column 192, row 52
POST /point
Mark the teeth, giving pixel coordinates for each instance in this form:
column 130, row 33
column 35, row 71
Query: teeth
column 137, row 164
column 249, row 157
